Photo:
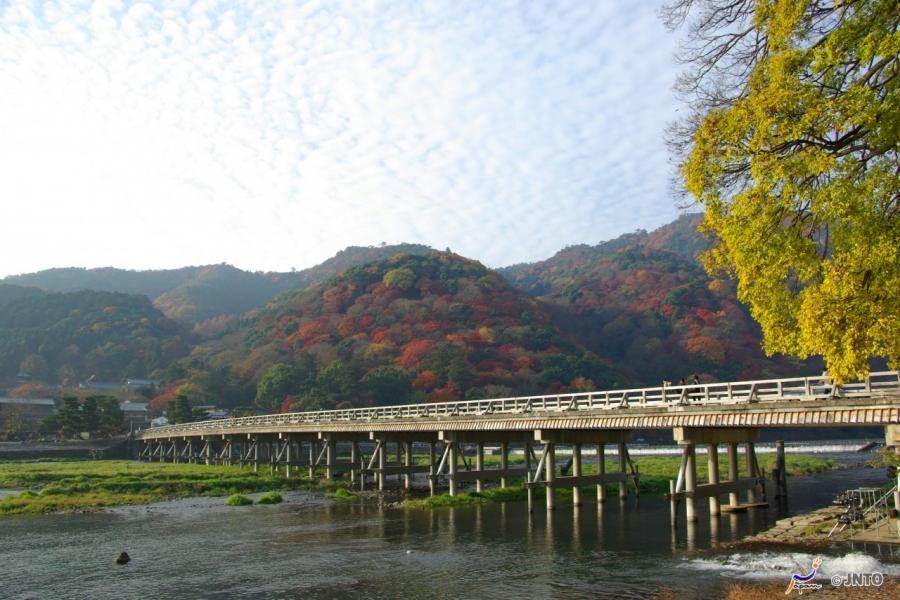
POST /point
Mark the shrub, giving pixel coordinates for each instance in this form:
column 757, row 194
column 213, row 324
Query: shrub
column 270, row 498
column 238, row 500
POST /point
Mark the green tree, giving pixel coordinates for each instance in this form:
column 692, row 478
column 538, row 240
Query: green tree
column 48, row 425
column 791, row 145
column 90, row 415
column 112, row 419
column 336, row 381
column 387, row 385
column 179, row 410
column 68, row 416
column 402, row 278
column 282, row 380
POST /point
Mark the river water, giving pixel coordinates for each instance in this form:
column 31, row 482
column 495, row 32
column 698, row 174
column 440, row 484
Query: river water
column 312, row 547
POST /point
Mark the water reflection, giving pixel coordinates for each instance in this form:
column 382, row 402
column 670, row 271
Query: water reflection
column 323, row 549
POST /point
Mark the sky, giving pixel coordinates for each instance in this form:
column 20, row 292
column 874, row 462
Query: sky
column 270, row 135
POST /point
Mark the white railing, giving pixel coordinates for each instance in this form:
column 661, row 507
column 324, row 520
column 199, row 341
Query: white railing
column 767, row 390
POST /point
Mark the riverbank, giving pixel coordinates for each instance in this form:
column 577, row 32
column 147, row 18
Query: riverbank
column 85, row 485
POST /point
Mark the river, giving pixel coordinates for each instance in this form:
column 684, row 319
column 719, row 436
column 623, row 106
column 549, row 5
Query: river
column 312, row 547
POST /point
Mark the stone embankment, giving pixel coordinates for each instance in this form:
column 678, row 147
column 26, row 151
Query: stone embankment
column 813, row 528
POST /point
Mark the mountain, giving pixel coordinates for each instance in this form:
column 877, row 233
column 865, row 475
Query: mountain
column 434, row 327
column 394, row 323
column 644, row 302
column 196, row 294
column 70, row 336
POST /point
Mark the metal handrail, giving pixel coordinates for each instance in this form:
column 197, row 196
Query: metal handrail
column 816, row 387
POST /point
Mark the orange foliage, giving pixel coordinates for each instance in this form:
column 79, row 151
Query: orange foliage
column 287, row 404
column 168, row 394
column 425, row 380
column 414, row 352
column 444, row 394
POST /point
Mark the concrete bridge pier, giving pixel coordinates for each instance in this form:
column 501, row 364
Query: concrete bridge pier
column 354, row 461
column 504, row 463
column 686, row 487
column 404, row 468
column 546, row 467
column 313, row 447
column 480, row 474
column 601, row 470
column 712, row 452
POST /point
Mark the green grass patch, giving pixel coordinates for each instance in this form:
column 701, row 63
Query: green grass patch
column 655, row 473
column 270, row 498
column 239, row 500
column 341, row 494
column 53, row 486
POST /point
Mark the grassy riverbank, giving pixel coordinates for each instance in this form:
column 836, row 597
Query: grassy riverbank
column 70, row 485
column 655, row 473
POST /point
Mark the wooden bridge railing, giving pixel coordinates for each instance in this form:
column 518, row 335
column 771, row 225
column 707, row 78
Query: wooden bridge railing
column 767, row 390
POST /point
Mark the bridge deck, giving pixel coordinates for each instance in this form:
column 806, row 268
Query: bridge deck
column 800, row 401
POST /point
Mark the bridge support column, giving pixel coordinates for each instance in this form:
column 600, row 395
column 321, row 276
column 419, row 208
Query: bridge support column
column 432, row 457
column 687, row 487
column 255, row 444
column 550, row 466
column 312, row 458
column 576, row 472
column 288, row 457
column 752, row 471
column 712, row 451
column 354, row 461
column 690, row 483
column 623, row 460
column 601, row 470
column 407, row 462
column 329, row 457
column 526, row 447
column 733, row 499
column 504, row 463
column 382, row 463
column 479, row 466
column 780, row 472
column 451, row 458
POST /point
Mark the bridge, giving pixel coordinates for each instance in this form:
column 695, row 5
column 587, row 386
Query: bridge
column 713, row 414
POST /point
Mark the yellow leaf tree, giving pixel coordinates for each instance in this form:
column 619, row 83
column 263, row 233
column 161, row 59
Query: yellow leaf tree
column 791, row 146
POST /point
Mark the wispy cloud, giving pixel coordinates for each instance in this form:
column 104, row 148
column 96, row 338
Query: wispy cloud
column 164, row 133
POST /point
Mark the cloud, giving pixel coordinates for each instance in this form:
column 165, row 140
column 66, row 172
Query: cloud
column 156, row 134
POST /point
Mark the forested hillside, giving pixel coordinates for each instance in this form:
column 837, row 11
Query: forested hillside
column 644, row 302
column 67, row 337
column 437, row 327
column 394, row 324
column 197, row 294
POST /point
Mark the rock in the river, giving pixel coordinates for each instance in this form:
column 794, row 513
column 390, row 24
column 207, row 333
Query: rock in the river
column 123, row 559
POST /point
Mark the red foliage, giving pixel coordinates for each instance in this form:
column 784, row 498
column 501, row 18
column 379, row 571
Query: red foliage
column 425, row 380
column 380, row 334
column 168, row 394
column 444, row 394
column 414, row 352
column 431, row 326
column 287, row 404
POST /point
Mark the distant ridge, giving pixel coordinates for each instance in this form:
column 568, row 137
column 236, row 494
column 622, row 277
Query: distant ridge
column 197, row 293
